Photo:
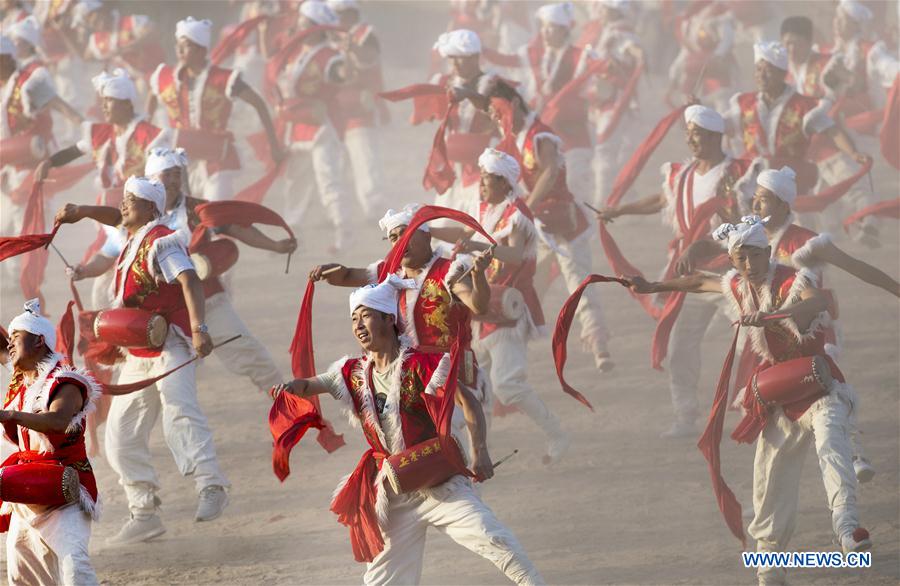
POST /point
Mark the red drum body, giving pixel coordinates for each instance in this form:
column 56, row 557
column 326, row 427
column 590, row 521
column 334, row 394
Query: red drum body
column 506, row 307
column 23, row 150
column 38, row 483
column 203, row 145
column 130, row 327
column 422, row 466
column 214, row 258
column 792, row 381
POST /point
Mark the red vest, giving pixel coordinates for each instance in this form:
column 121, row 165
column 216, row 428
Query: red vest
column 141, row 290
column 520, row 276
column 680, row 182
column 438, row 319
column 467, row 139
column 416, row 425
column 215, row 105
column 572, row 125
column 41, row 124
column 355, row 100
column 810, row 84
column 106, row 155
column 790, row 141
column 793, row 238
column 108, row 45
column 559, row 201
column 307, row 109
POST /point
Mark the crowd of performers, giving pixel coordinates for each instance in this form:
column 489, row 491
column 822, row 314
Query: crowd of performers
column 536, row 150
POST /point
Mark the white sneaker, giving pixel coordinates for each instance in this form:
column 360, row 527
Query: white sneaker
column 212, row 501
column 137, row 530
column 603, row 362
column 857, row 541
column 681, row 429
column 864, row 470
column 556, row 448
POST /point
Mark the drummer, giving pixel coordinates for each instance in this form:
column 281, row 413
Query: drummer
column 245, row 356
column 501, row 344
column 387, row 530
column 154, row 273
column 44, row 415
column 785, row 433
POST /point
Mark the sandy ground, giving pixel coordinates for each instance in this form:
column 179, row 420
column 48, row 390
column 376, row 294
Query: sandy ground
column 624, row 507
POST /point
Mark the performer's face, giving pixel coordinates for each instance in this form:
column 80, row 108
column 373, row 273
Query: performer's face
column 492, row 188
column 117, row 111
column 25, row 349
column 768, row 205
column 701, row 142
column 171, row 180
column 769, row 79
column 418, row 250
column 136, row 211
column 467, row 67
column 372, row 328
column 554, row 35
column 189, row 52
column 752, row 263
column 798, row 47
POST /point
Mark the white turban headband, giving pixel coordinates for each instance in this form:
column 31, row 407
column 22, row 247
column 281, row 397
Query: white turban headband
column 117, row 85
column 750, row 232
column 27, row 29
column 341, row 5
column 160, row 158
column 704, row 118
column 393, row 219
column 562, row 14
column 499, row 163
column 196, row 31
column 782, row 183
column 772, row 52
column 33, row 322
column 6, row 46
column 147, row 189
column 381, row 297
column 319, row 13
column 459, row 43
column 856, row 10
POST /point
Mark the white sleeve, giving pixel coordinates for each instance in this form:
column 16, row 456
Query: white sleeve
column 172, row 261
column 372, row 272
column 114, row 243
column 882, row 65
column 817, row 120
column 39, row 89
column 154, row 79
column 732, row 116
column 84, row 143
column 334, row 380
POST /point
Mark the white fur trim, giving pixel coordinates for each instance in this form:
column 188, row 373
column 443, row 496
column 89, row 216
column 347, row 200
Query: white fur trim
column 93, row 508
column 39, row 76
column 154, row 78
column 232, row 79
column 803, row 256
column 439, row 376
column 93, row 394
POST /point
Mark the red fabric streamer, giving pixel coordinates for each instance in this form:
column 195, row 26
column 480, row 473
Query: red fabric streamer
column 59, row 179
column 507, row 144
column 34, row 264
column 142, row 384
column 423, row 215
column 624, row 180
column 562, row 100
column 884, row 209
column 215, row 214
column 564, row 324
column 430, row 101
column 832, row 193
column 439, row 173
column 440, row 409
column 278, row 62
column 622, row 102
column 11, row 246
column 710, row 443
column 356, row 509
column 890, row 127
column 230, row 43
column 65, row 333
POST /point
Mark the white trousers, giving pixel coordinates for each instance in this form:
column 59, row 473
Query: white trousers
column 458, row 512
column 575, row 263
column 580, row 173
column 245, row 356
column 186, row 430
column 504, row 354
column 364, row 152
column 312, row 168
column 780, row 452
column 685, row 352
column 49, row 548
column 216, row 187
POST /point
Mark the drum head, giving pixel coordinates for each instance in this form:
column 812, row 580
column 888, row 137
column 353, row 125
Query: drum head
column 513, row 304
column 156, row 331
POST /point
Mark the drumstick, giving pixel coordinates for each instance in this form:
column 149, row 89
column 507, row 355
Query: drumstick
column 332, row 270
column 592, row 208
column 65, row 262
column 699, row 78
column 287, row 267
column 505, row 458
column 466, row 272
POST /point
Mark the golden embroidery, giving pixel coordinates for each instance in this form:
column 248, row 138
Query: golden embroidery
column 436, row 301
column 145, row 282
column 169, row 97
column 528, row 159
column 214, row 108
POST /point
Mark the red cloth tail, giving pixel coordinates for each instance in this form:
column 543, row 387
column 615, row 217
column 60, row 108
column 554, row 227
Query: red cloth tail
column 215, row 214
column 832, row 193
column 885, row 209
column 889, row 138
column 439, row 173
column 423, row 215
column 230, row 43
column 430, row 101
column 561, row 332
column 63, row 178
column 563, row 99
column 34, row 264
column 65, row 333
column 355, row 507
column 709, row 445
column 440, row 409
column 621, row 105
